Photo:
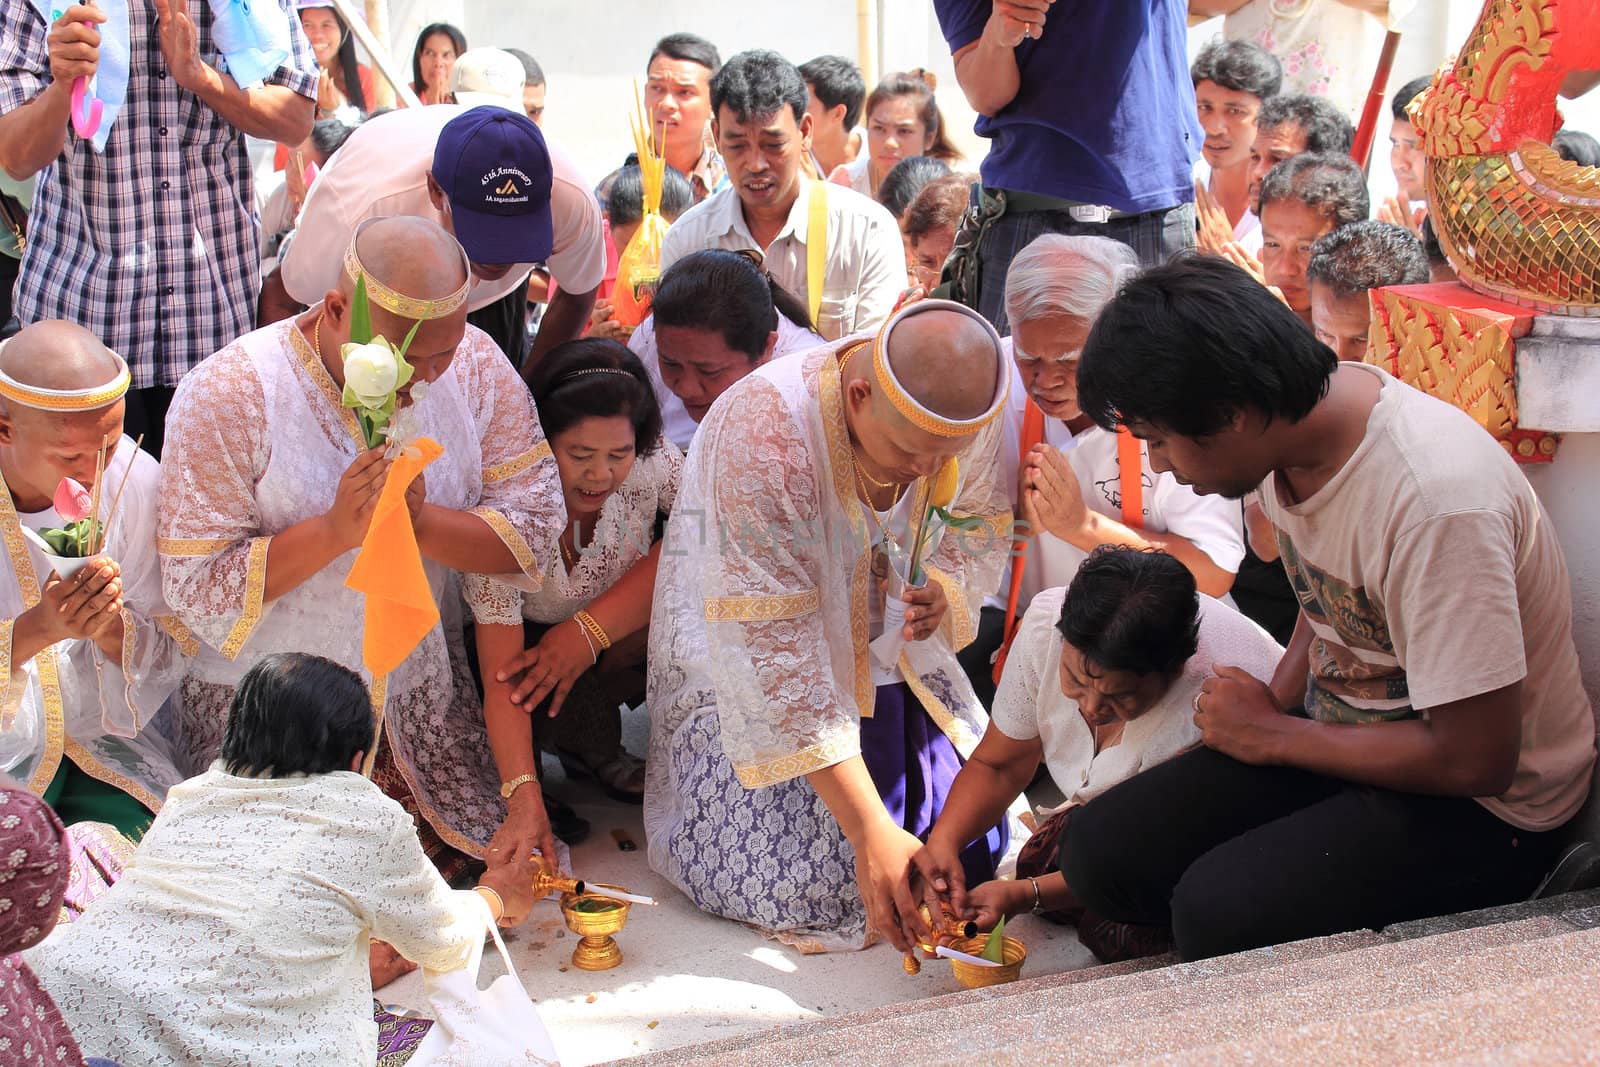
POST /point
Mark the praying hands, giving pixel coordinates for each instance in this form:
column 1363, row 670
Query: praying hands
column 1052, row 497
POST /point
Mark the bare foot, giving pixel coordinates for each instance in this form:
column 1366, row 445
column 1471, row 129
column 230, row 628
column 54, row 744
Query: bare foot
column 387, row 964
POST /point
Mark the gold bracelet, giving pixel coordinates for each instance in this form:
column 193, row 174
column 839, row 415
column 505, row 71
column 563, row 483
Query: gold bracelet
column 498, row 902
column 508, row 788
column 594, row 653
column 593, row 627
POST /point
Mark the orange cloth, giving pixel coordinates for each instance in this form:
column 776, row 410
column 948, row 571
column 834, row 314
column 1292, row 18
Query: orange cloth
column 400, row 605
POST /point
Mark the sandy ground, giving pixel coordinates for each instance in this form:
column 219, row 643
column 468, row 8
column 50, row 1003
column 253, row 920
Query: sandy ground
column 687, row 977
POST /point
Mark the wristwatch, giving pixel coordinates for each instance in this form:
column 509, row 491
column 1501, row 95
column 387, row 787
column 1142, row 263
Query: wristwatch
column 507, row 788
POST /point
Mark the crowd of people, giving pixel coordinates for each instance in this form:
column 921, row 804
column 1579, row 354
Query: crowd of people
column 919, row 486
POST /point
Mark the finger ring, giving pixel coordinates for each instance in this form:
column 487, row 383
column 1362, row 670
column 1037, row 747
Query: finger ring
column 1196, row 701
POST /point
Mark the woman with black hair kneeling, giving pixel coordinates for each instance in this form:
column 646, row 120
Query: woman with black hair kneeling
column 716, row 317
column 555, row 657
column 1099, row 686
column 239, row 932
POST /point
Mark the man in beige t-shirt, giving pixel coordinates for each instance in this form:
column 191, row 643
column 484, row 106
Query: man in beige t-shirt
column 1427, row 731
column 484, row 173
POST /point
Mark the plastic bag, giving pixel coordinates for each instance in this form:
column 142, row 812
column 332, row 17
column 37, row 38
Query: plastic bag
column 639, row 269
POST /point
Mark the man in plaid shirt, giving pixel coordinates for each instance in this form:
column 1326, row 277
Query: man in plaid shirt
column 153, row 246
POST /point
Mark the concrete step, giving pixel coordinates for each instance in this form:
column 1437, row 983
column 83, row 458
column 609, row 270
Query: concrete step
column 1548, row 1020
column 1132, row 1012
column 1372, row 988
column 1170, row 1006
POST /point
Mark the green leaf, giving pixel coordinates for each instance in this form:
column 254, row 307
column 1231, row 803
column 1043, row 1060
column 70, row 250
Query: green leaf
column 959, row 522
column 60, row 541
column 360, row 313
column 994, row 948
column 405, row 346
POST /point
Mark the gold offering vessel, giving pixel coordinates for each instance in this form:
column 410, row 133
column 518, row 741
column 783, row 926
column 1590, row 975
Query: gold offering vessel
column 972, row 976
column 950, row 927
column 949, row 930
column 594, row 918
column 546, row 882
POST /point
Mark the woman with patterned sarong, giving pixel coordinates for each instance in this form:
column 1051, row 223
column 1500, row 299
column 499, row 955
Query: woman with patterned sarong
column 788, row 758
column 559, row 655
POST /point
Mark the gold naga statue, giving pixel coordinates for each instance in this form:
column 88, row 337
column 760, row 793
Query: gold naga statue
column 1519, row 223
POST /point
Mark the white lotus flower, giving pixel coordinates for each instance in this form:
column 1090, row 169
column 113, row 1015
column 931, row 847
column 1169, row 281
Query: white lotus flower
column 371, row 371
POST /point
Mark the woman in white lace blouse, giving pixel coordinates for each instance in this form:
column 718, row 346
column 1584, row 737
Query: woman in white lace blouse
column 552, row 651
column 239, row 932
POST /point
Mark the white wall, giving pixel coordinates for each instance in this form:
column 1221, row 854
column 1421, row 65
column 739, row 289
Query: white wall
column 591, row 53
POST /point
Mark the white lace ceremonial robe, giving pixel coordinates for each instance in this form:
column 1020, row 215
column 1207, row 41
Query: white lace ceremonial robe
column 256, row 442
column 759, row 667
column 239, row 932
column 111, row 719
column 622, row 537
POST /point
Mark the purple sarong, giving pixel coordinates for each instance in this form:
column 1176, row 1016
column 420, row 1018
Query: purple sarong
column 913, row 764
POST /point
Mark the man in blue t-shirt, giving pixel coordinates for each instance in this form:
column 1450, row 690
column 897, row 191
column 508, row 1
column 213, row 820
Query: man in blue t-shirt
column 1094, row 128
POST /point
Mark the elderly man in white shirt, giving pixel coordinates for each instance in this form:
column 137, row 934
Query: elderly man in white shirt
column 1073, row 483
column 837, row 251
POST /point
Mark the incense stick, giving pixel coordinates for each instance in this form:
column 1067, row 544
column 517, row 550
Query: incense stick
column 964, row 957
column 617, row 894
column 116, row 500
column 94, row 498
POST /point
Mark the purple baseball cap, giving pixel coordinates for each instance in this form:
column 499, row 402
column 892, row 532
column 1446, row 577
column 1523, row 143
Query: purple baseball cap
column 493, row 165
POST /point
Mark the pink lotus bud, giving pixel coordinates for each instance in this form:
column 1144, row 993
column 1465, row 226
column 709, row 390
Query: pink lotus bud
column 72, row 501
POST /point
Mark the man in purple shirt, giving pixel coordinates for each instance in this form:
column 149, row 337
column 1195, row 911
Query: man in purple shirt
column 1091, row 112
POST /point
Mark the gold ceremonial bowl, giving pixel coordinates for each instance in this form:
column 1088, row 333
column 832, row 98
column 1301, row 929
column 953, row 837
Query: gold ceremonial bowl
column 972, row 976
column 595, row 919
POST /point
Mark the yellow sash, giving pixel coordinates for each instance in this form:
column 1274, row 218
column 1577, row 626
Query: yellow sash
column 816, row 248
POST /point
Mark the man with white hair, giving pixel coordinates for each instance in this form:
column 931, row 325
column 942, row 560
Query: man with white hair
column 1075, row 485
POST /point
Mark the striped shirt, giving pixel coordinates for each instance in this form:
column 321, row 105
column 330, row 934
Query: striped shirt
column 154, row 245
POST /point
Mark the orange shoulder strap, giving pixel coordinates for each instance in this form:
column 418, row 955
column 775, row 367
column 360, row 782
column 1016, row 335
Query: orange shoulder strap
column 1130, row 472
column 1032, row 434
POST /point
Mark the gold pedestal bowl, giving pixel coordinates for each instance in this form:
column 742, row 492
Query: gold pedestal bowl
column 972, row 976
column 595, row 919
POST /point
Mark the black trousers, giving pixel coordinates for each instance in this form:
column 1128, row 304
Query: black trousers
column 977, row 659
column 147, row 414
column 9, row 269
column 506, row 321
column 1235, row 857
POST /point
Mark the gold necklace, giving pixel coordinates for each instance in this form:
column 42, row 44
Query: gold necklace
column 861, row 472
column 316, row 335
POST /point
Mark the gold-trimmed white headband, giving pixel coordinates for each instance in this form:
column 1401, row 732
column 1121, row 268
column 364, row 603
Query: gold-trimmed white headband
column 396, row 303
column 67, row 400
column 907, row 405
